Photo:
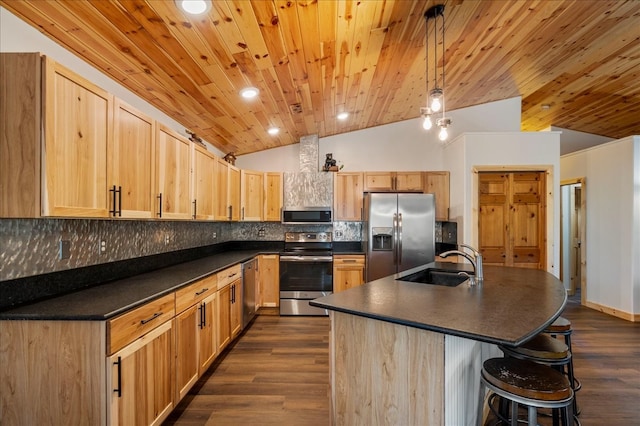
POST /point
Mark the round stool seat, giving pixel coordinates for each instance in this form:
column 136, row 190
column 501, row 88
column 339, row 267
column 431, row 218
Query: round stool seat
column 527, row 379
column 560, row 325
column 541, row 348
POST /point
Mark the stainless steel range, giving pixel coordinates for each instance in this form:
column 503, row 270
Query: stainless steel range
column 306, row 272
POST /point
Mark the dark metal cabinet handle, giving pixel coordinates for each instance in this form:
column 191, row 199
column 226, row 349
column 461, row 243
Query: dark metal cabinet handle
column 198, row 293
column 118, row 390
column 194, row 208
column 230, row 212
column 151, row 318
column 243, row 213
column 116, row 203
column 159, row 197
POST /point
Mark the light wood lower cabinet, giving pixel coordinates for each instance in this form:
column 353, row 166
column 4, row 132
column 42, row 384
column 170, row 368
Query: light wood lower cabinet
column 236, row 308
column 269, row 280
column 223, row 323
column 348, row 271
column 141, row 379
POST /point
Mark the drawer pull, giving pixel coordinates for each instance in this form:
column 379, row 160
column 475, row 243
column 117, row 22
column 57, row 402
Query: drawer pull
column 151, row 318
column 119, row 389
column 198, row 293
column 233, row 275
column 349, row 260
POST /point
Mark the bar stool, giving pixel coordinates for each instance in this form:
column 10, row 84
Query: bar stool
column 544, row 349
column 562, row 327
column 528, row 383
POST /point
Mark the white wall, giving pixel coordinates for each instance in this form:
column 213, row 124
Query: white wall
column 514, row 150
column 18, row 36
column 404, row 145
column 573, row 140
column 612, row 181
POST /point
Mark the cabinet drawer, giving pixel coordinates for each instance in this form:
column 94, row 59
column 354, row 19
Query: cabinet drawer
column 193, row 293
column 229, row 275
column 348, row 259
column 129, row 326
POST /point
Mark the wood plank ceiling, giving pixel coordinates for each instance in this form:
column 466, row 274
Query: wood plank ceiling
column 312, row 59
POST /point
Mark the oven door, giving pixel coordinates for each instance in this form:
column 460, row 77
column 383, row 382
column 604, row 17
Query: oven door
column 304, row 278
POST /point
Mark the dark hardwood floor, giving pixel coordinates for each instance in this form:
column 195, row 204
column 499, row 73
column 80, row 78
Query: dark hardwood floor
column 278, row 373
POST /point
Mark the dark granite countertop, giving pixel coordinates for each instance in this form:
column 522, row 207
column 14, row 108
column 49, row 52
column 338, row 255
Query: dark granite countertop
column 348, row 247
column 105, row 301
column 512, row 306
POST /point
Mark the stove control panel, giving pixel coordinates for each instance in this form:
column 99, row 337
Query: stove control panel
column 307, row 237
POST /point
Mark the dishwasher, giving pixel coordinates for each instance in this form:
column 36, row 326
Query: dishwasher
column 249, row 278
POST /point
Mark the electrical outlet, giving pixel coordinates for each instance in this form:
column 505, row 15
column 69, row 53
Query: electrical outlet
column 103, row 246
column 166, row 239
column 64, row 249
column 215, row 235
column 261, row 233
column 338, row 234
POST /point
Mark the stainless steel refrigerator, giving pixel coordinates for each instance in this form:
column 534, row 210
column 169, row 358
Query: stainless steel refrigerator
column 400, row 232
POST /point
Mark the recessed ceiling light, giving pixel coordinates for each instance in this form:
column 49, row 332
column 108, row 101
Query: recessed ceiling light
column 249, row 92
column 273, row 131
column 194, row 7
column 342, row 116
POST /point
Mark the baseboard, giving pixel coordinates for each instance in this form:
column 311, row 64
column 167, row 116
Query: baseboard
column 613, row 312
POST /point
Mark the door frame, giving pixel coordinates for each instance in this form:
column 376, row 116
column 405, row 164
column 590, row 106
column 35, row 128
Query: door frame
column 582, row 230
column 547, row 169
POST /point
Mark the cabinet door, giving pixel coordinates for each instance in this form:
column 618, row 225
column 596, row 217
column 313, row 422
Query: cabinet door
column 273, row 196
column 269, row 270
column 207, row 332
column 409, row 181
column 221, row 190
column 234, row 193
column 223, row 325
column 252, row 193
column 78, row 126
column 204, row 164
column 437, row 183
column 378, row 181
column 236, row 308
column 131, row 160
column 173, row 174
column 141, row 379
column 187, row 329
column 348, row 272
column 348, row 196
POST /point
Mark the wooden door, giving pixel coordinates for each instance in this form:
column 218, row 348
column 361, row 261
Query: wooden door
column 203, row 183
column 221, row 190
column 141, row 380
column 207, row 333
column 131, row 161
column 223, row 324
column 348, row 196
column 173, row 174
column 269, row 270
column 186, row 326
column 437, row 183
column 512, row 219
column 252, row 194
column 273, row 196
column 78, row 126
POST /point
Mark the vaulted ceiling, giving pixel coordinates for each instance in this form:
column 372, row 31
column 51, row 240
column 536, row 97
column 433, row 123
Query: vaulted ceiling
column 314, row 58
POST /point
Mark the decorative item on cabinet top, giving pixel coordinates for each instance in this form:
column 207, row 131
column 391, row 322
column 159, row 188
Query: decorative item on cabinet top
column 230, row 158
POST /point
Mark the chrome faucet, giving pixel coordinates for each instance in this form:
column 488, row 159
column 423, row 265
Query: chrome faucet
column 476, row 261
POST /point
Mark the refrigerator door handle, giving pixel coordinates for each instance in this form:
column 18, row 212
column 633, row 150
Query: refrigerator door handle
column 395, row 238
column 399, row 238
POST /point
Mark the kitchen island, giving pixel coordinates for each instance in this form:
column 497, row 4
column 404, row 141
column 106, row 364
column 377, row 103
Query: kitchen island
column 411, row 353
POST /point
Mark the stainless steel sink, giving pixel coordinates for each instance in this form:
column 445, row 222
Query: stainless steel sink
column 436, row 277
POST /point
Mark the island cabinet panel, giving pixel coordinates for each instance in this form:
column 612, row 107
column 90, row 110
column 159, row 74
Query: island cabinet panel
column 348, row 197
column 141, row 379
column 173, row 174
column 131, row 160
column 78, row 126
column 273, row 196
column 47, row 377
column 400, row 373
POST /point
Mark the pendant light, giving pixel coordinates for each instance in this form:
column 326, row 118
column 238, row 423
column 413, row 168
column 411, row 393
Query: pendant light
column 435, row 96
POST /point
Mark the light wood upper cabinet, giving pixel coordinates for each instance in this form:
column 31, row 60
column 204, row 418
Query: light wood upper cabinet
column 437, row 183
column 348, row 271
column 234, row 193
column 348, row 196
column 269, row 280
column 252, row 194
column 273, row 196
column 78, row 118
column 203, row 185
column 221, row 190
column 173, row 174
column 393, row 181
column 130, row 163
